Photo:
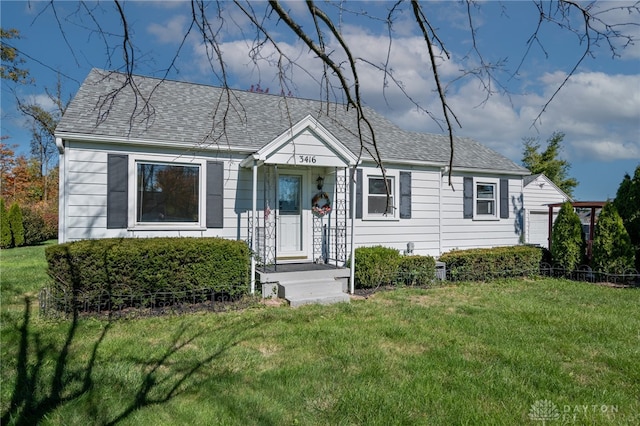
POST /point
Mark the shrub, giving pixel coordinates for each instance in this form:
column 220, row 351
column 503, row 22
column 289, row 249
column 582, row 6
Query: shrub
column 375, row 266
column 15, row 224
column 612, row 248
column 627, row 202
column 567, row 240
column 138, row 267
column 499, row 262
column 416, row 270
column 5, row 231
column 34, row 227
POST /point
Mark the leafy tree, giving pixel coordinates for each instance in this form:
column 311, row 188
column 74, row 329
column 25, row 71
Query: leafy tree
column 14, row 218
column 10, row 68
column 612, row 249
column 627, row 203
column 7, row 160
column 5, row 228
column 549, row 162
column 44, row 122
column 567, row 241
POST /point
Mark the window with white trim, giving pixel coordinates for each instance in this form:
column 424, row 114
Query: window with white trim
column 486, row 199
column 379, row 204
column 167, row 193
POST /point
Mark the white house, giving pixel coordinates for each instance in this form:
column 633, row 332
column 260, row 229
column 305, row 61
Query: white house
column 538, row 193
column 168, row 158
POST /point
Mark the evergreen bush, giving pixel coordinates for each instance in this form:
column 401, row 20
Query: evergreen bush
column 15, row 224
column 5, row 231
column 627, row 202
column 612, row 248
column 567, row 240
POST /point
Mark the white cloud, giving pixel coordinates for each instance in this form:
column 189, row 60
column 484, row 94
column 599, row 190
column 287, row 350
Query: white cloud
column 172, row 31
column 598, row 112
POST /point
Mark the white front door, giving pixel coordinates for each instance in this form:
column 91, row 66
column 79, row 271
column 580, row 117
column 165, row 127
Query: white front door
column 290, row 220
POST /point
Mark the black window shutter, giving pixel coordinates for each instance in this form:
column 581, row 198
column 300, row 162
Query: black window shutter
column 468, row 198
column 405, row 195
column 215, row 194
column 504, row 198
column 359, row 194
column 117, row 191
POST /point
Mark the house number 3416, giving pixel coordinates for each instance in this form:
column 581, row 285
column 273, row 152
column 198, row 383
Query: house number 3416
column 307, row 159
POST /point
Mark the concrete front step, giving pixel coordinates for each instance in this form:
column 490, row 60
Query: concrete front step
column 310, row 287
column 323, row 291
column 323, row 300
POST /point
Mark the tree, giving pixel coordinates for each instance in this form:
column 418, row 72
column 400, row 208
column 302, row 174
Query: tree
column 44, row 122
column 549, row 162
column 567, row 241
column 627, row 202
column 10, row 68
column 612, row 249
column 336, row 63
column 7, row 161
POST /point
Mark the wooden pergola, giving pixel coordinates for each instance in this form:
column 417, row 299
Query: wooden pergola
column 593, row 205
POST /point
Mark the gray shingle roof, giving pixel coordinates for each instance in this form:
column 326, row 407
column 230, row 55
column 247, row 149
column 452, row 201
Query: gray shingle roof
column 201, row 115
column 528, row 179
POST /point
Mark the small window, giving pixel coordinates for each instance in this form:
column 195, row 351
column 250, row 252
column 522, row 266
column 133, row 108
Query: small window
column 378, row 203
column 167, row 193
column 486, row 199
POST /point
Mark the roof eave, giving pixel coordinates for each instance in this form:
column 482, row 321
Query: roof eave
column 84, row 137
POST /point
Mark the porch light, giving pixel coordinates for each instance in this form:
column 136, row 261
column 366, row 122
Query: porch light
column 320, row 182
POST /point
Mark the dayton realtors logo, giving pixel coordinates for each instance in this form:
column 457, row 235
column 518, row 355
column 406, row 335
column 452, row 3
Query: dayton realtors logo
column 544, row 411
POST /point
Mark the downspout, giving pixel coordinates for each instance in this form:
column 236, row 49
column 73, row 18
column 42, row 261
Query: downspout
column 254, row 202
column 352, row 264
column 440, row 177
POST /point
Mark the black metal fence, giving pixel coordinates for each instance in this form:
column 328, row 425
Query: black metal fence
column 64, row 304
column 629, row 277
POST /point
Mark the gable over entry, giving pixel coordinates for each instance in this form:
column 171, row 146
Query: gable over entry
column 300, row 197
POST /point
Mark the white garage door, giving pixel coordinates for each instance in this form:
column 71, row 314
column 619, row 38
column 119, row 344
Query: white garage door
column 538, row 228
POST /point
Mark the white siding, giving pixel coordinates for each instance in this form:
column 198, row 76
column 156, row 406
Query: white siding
column 84, row 212
column 461, row 233
column 538, row 194
column 423, row 227
column 436, row 224
column 306, row 149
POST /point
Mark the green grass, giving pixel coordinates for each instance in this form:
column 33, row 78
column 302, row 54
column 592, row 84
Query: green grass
column 465, row 354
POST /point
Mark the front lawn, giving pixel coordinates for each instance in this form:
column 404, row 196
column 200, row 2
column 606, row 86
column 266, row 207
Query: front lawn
column 516, row 352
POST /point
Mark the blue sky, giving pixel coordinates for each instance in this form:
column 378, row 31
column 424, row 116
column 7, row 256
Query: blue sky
column 598, row 109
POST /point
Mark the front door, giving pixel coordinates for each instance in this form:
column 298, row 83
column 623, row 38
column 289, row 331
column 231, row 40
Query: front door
column 290, row 223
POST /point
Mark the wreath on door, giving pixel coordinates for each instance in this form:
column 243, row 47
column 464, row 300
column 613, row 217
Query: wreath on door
column 320, row 204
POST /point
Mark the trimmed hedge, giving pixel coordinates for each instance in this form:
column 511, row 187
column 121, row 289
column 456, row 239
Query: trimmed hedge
column 376, row 266
column 498, row 262
column 137, row 267
column 416, row 270
column 383, row 266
